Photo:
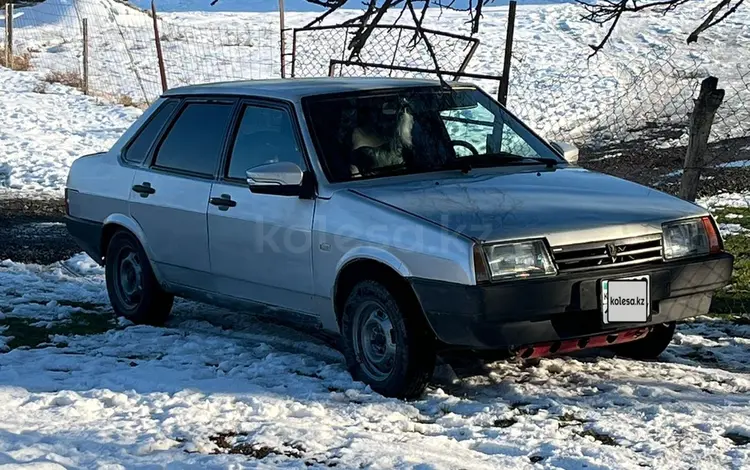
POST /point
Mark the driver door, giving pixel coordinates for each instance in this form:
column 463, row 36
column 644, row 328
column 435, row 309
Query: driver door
column 260, row 244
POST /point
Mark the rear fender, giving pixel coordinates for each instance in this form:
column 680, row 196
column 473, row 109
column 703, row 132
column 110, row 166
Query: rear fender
column 133, row 227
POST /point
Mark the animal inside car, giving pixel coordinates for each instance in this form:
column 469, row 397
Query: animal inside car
column 406, row 217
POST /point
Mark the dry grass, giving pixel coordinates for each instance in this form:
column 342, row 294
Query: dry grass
column 126, row 100
column 40, row 88
column 20, row 62
column 69, row 78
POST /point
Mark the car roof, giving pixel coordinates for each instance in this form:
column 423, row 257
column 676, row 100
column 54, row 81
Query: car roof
column 291, row 89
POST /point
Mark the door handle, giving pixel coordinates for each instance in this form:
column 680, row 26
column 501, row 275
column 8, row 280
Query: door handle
column 144, row 189
column 224, row 202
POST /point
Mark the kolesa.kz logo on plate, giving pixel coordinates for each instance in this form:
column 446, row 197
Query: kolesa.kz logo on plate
column 627, row 301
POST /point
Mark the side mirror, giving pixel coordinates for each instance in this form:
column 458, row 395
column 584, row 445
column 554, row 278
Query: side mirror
column 281, row 178
column 568, row 151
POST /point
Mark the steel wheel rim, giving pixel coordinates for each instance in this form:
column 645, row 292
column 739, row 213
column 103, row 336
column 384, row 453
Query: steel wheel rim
column 373, row 340
column 129, row 278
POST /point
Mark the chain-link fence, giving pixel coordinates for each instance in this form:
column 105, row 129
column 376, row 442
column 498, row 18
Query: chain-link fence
column 392, row 46
column 122, row 57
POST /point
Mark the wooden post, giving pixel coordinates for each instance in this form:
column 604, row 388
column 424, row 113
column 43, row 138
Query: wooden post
column 9, row 59
column 502, row 92
column 159, row 55
column 709, row 100
column 283, row 41
column 85, row 56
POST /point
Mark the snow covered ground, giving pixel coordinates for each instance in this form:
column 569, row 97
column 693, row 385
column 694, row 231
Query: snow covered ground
column 216, row 389
column 44, row 127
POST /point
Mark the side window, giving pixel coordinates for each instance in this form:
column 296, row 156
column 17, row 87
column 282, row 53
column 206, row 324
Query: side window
column 138, row 148
column 264, row 135
column 193, row 144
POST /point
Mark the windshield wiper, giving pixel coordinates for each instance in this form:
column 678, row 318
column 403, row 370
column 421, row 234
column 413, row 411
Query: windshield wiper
column 549, row 161
column 465, row 164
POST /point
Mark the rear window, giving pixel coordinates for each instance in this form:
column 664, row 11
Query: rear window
column 138, row 149
column 194, row 142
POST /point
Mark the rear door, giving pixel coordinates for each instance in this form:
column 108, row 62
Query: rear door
column 169, row 197
column 260, row 243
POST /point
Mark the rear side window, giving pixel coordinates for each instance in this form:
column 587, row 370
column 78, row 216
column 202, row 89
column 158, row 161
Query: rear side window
column 138, row 149
column 194, row 142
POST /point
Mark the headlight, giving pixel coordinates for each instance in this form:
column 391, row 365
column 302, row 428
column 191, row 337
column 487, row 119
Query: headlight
column 519, row 260
column 692, row 237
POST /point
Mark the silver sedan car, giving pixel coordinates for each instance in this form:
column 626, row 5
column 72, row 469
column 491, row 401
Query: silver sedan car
column 409, row 217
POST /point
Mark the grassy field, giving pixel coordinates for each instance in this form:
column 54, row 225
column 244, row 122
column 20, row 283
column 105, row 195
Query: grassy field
column 30, row 333
column 735, row 300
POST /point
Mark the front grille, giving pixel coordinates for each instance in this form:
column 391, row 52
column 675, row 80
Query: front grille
column 599, row 255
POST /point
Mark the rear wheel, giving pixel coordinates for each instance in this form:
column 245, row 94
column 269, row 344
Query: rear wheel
column 132, row 287
column 386, row 348
column 651, row 346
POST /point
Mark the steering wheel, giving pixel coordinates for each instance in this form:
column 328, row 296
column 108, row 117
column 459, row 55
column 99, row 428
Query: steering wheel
column 466, row 145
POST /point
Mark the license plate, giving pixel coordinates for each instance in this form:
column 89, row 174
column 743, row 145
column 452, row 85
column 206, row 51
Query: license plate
column 626, row 300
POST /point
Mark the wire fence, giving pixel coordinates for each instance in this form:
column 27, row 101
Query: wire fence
column 392, row 46
column 122, row 56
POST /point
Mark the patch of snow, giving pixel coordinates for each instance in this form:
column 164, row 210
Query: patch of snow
column 138, row 396
column 82, row 265
column 731, row 229
column 735, row 164
column 43, row 293
column 740, row 200
column 733, row 216
column 606, row 157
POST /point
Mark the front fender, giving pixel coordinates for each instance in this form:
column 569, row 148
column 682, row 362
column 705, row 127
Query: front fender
column 374, row 254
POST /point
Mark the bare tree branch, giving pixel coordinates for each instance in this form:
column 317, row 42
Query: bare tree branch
column 609, row 13
column 375, row 10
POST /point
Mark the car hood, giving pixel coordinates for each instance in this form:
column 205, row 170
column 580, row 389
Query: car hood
column 567, row 205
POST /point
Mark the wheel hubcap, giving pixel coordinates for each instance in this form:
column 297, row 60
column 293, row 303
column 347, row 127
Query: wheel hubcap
column 373, row 341
column 130, row 278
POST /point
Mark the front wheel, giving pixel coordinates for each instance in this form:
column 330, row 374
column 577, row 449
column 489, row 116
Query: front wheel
column 132, row 287
column 649, row 347
column 384, row 347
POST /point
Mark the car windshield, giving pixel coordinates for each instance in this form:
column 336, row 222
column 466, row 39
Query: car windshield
column 417, row 130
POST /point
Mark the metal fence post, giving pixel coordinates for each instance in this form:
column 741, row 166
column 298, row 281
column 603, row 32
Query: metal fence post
column 159, row 55
column 9, row 59
column 283, row 41
column 85, row 56
column 502, row 93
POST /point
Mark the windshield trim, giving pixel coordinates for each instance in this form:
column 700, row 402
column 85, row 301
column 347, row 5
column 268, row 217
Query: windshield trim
column 323, row 161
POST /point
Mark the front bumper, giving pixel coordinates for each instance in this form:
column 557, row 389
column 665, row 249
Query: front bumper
column 515, row 313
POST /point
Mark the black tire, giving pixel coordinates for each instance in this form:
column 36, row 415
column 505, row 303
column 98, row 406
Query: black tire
column 406, row 370
column 651, row 346
column 133, row 289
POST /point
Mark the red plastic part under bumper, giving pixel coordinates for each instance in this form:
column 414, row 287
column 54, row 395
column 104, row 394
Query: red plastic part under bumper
column 578, row 344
